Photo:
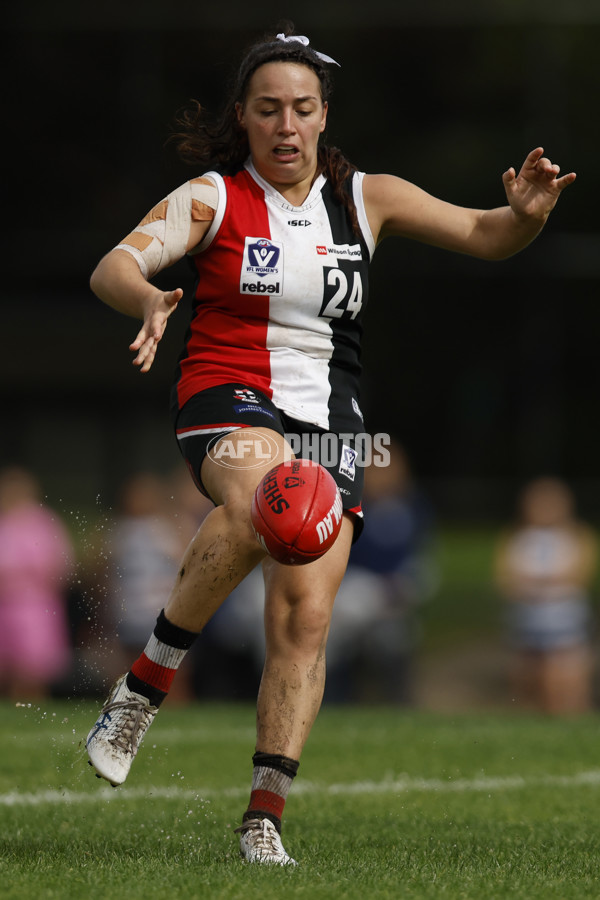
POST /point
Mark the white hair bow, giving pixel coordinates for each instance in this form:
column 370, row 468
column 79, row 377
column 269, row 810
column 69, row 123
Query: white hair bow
column 302, row 39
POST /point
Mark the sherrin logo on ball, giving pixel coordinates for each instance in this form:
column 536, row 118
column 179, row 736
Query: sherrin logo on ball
column 297, row 512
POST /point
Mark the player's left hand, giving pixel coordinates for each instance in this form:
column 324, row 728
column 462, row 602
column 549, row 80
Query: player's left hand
column 534, row 191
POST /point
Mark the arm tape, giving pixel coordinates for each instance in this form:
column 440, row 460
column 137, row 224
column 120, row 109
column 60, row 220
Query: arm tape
column 161, row 237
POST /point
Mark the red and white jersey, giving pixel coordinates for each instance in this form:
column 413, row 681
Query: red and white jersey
column 279, row 299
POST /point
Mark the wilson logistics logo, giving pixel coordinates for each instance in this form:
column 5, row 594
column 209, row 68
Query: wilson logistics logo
column 250, row 449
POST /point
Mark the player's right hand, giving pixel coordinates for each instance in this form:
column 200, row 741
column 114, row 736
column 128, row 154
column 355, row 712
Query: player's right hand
column 155, row 322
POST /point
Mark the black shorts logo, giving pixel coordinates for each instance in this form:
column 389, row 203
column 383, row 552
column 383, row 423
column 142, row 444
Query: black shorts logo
column 245, row 395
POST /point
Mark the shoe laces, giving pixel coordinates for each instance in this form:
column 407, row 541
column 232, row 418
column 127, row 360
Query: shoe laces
column 138, row 718
column 265, row 836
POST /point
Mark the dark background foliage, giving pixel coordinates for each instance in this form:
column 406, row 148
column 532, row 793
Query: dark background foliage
column 486, row 372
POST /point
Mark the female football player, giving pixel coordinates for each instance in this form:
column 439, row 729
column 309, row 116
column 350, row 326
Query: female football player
column 281, row 229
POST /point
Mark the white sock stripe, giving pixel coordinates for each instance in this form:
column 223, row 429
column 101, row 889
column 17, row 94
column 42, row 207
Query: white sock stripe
column 162, row 654
column 266, row 779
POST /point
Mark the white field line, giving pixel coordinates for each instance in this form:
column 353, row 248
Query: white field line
column 401, row 785
column 172, row 736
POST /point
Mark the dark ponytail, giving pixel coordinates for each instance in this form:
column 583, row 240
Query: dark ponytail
column 338, row 170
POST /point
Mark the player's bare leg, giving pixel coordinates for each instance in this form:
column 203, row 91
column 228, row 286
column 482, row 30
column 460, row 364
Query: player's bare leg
column 221, row 554
column 298, row 608
column 299, row 603
column 225, row 549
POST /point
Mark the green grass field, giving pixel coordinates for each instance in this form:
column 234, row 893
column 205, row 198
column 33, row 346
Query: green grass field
column 387, row 804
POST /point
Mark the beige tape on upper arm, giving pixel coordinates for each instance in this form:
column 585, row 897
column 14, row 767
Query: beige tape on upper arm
column 161, row 237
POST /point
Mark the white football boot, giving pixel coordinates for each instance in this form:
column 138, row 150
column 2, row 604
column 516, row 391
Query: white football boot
column 260, row 843
column 115, row 738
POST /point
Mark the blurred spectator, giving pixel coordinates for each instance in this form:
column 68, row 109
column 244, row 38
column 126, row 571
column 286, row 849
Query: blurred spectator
column 36, row 558
column 544, row 568
column 187, row 507
column 230, row 653
column 145, row 547
column 374, row 628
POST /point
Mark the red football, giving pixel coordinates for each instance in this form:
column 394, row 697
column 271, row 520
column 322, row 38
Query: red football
column 297, row 512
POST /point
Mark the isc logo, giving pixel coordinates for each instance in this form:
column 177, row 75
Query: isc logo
column 299, row 223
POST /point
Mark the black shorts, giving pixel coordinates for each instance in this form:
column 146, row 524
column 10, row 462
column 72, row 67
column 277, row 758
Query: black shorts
column 211, row 414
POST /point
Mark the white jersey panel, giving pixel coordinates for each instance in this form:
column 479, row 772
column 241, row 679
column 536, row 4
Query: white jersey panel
column 299, row 335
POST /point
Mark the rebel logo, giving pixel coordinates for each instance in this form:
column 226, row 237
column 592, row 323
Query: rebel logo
column 257, row 287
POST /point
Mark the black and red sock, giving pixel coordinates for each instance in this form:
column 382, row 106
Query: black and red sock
column 271, row 781
column 152, row 673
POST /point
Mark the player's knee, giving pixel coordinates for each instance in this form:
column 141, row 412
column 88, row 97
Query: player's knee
column 300, row 623
column 236, row 514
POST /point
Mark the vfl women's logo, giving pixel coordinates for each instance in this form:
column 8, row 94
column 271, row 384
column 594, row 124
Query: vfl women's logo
column 348, row 462
column 262, row 271
column 263, row 256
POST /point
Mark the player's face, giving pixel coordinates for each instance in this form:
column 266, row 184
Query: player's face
column 284, row 115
